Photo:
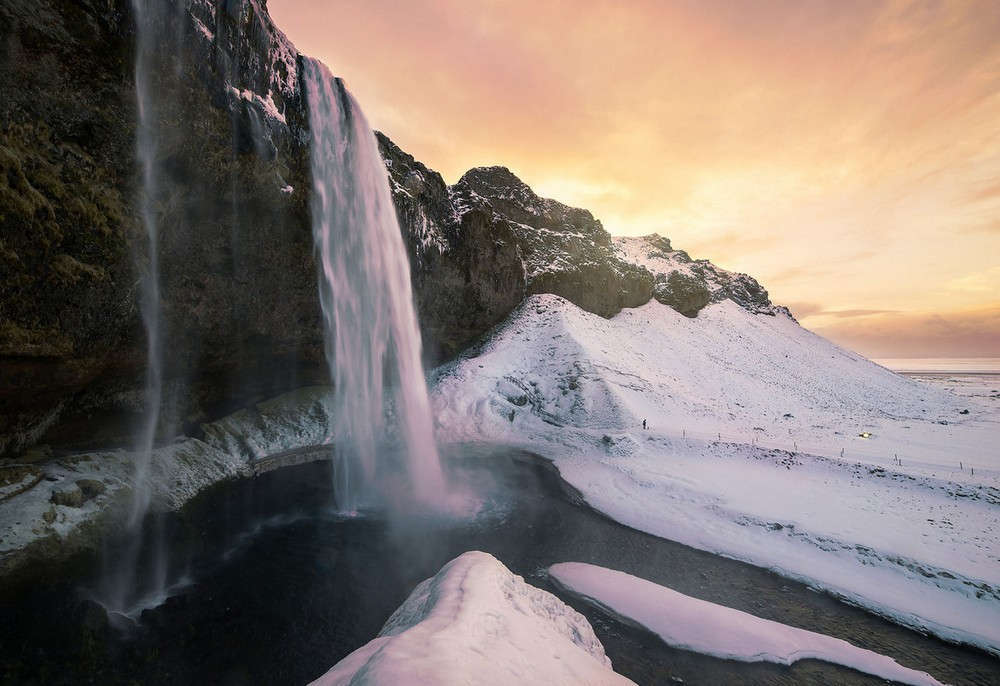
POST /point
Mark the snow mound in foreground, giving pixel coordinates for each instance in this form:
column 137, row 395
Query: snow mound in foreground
column 700, row 626
column 753, row 450
column 475, row 622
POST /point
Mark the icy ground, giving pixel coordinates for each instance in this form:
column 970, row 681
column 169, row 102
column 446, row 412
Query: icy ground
column 54, row 507
column 691, row 624
column 754, row 450
column 475, row 622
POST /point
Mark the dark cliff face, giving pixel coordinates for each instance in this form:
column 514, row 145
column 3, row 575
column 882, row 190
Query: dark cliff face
column 239, row 299
column 480, row 246
column 239, row 296
column 467, row 268
column 565, row 250
column 688, row 285
column 66, row 223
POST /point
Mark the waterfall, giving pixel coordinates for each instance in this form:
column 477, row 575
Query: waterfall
column 146, row 144
column 135, row 572
column 369, row 321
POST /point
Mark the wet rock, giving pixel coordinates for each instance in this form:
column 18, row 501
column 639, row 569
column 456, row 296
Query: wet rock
column 39, row 453
column 94, row 617
column 77, row 494
column 70, row 496
column 70, row 327
column 91, row 488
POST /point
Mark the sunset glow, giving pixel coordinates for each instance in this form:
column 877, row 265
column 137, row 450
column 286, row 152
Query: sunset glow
column 847, row 154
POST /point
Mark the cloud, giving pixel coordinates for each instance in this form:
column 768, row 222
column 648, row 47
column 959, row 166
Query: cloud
column 578, row 192
column 848, row 314
column 986, row 281
column 985, row 192
column 815, row 310
column 971, row 333
column 804, row 310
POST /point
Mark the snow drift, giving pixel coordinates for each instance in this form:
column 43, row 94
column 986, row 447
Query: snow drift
column 700, row 626
column 475, row 622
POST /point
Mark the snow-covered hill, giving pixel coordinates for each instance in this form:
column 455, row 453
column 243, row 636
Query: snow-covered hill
column 754, row 449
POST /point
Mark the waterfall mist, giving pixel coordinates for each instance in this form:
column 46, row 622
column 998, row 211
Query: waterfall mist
column 370, row 326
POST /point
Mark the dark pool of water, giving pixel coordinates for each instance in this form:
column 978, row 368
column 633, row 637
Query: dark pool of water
column 281, row 588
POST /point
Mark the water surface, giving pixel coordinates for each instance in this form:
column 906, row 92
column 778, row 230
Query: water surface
column 280, row 588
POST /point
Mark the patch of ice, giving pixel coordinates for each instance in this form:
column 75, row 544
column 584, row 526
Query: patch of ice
column 178, row 471
column 265, row 105
column 202, row 29
column 703, row 627
column 297, row 419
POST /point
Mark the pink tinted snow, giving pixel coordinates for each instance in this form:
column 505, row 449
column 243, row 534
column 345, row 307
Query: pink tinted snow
column 700, row 626
column 476, row 623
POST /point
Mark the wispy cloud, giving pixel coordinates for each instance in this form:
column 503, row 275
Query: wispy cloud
column 805, row 311
column 968, row 333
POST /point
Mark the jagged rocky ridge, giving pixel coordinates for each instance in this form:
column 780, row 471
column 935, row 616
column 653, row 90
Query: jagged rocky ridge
column 488, row 241
column 241, row 314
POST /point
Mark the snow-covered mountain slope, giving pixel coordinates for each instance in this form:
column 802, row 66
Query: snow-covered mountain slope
column 475, row 622
column 697, row 625
column 754, row 449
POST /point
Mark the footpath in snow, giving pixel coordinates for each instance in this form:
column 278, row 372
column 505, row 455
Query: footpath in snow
column 765, row 442
column 700, row 626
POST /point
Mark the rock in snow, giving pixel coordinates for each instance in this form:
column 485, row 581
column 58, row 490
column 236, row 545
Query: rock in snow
column 475, row 622
column 689, row 285
column 703, row 627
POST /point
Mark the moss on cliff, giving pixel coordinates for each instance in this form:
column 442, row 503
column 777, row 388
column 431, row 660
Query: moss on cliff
column 62, row 223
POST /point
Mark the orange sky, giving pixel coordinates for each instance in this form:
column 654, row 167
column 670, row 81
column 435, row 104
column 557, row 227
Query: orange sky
column 846, row 152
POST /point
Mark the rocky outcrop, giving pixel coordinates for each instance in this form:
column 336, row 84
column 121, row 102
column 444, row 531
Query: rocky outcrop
column 565, row 250
column 467, row 269
column 480, row 246
column 688, row 285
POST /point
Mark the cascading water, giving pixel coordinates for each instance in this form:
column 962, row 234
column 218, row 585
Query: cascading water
column 146, row 154
column 131, row 582
column 364, row 287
